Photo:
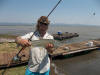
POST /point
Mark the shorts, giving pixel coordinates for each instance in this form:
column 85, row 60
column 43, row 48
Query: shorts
column 28, row 72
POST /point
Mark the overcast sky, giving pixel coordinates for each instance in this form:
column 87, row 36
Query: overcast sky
column 67, row 12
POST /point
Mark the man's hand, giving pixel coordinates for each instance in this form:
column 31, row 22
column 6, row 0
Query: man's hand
column 49, row 47
column 23, row 42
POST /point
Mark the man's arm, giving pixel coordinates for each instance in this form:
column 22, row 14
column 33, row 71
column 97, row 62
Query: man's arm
column 22, row 42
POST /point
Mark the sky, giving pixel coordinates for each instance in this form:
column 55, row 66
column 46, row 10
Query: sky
column 67, row 12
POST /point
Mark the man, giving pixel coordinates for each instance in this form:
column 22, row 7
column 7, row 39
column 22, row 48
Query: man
column 39, row 62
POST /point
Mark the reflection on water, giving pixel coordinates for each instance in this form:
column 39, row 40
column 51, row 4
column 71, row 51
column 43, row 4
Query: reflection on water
column 57, row 70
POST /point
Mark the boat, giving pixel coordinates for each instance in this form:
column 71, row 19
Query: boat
column 65, row 35
column 9, row 49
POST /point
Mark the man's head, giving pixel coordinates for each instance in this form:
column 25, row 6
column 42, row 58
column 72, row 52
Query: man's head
column 42, row 24
column 43, row 20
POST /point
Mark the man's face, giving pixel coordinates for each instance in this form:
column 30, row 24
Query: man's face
column 43, row 28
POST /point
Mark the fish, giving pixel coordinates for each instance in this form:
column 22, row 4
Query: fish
column 44, row 42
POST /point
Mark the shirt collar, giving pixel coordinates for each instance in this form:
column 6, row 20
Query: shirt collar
column 36, row 33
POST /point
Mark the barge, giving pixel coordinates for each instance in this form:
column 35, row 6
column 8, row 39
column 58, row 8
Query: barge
column 66, row 35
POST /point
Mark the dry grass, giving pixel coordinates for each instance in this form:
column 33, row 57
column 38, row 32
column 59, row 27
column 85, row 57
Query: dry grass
column 8, row 47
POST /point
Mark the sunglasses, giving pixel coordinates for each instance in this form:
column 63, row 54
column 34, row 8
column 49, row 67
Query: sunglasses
column 43, row 23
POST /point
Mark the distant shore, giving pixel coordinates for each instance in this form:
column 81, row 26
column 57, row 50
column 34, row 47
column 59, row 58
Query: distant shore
column 8, row 36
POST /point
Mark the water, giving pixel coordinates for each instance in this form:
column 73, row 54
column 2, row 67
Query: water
column 86, row 32
column 88, row 64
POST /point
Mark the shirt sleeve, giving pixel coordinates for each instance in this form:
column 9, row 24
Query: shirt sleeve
column 49, row 36
column 52, row 37
column 27, row 36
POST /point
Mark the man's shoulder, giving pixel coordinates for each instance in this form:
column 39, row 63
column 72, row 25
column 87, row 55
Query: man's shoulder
column 49, row 36
column 28, row 35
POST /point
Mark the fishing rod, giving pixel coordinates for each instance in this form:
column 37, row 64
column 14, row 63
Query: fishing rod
column 47, row 17
column 17, row 55
column 54, row 8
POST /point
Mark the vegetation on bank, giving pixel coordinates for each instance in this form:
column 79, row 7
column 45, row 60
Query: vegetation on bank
column 8, row 47
column 8, row 36
column 5, row 46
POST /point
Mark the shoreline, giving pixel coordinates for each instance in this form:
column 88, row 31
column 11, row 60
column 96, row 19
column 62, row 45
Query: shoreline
column 10, row 36
column 7, row 38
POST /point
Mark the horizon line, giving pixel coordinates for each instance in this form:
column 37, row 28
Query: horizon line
column 8, row 23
